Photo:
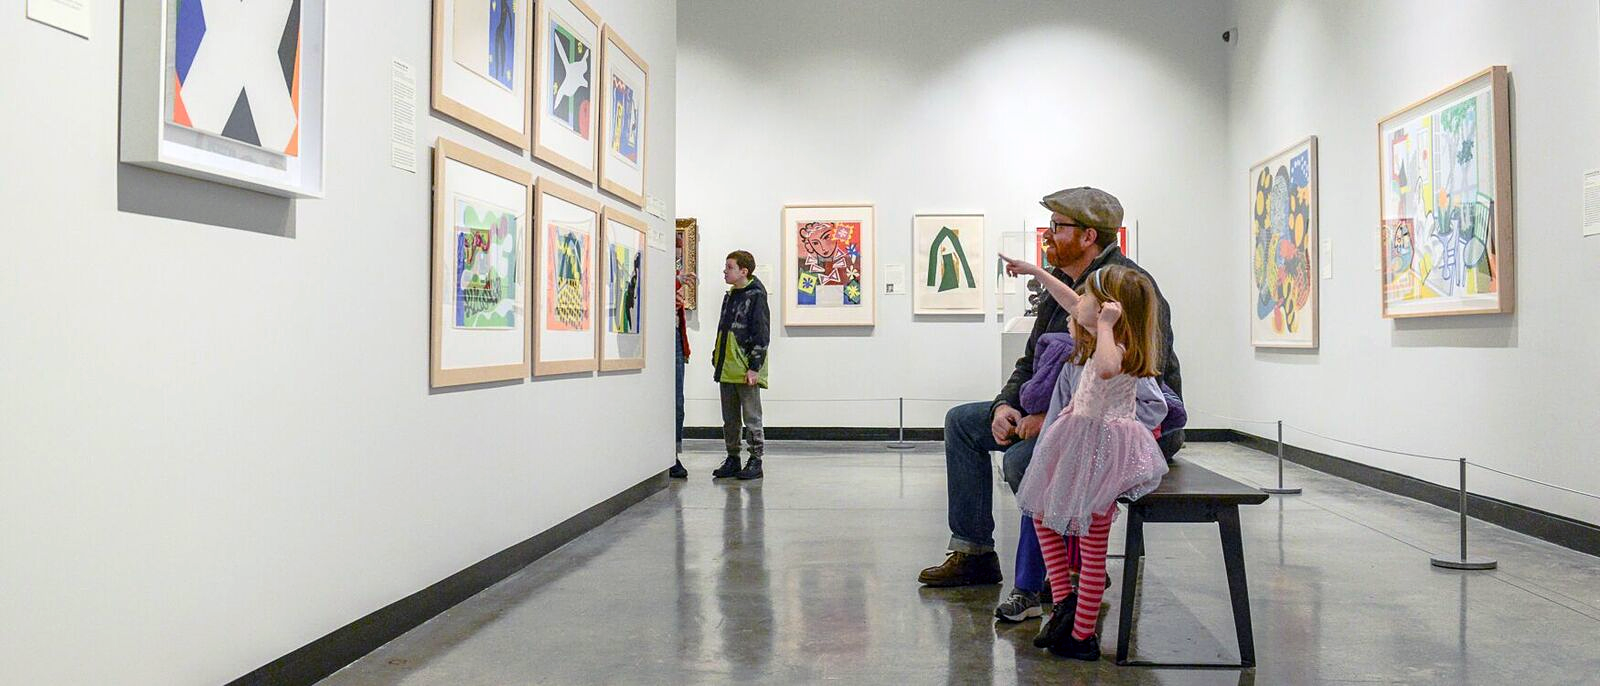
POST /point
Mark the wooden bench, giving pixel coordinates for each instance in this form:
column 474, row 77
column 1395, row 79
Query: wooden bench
column 1190, row 493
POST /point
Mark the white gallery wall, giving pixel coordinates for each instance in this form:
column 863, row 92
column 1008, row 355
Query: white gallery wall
column 942, row 106
column 1517, row 392
column 217, row 438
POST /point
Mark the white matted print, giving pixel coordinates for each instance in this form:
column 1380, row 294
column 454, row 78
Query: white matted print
column 624, row 94
column 481, row 64
column 480, row 268
column 568, row 238
column 1283, row 248
column 947, row 259
column 226, row 91
column 829, row 265
column 622, row 279
column 565, row 91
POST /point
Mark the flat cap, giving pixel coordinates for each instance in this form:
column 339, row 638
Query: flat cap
column 1087, row 206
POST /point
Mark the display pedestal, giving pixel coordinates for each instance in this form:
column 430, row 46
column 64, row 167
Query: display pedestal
column 1013, row 342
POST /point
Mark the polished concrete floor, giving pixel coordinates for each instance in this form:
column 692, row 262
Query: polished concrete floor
column 810, row 577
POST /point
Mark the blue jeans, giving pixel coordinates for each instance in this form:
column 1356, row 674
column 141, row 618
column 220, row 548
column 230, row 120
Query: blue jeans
column 967, row 444
column 679, row 349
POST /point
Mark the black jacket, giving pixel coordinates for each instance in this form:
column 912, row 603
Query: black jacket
column 745, row 314
column 1053, row 318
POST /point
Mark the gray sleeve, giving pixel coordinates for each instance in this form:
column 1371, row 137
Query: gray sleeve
column 1149, row 405
column 1065, row 383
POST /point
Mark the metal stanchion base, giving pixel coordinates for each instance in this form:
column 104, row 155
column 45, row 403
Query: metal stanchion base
column 1281, row 491
column 900, row 445
column 1471, row 563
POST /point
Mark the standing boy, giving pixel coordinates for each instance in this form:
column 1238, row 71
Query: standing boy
column 740, row 363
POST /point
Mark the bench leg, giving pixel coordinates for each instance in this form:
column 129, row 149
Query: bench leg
column 1238, row 590
column 1133, row 553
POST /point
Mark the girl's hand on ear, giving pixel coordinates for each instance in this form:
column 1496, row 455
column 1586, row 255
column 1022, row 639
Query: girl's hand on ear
column 1110, row 312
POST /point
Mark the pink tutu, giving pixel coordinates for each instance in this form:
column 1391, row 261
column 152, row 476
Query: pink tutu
column 1092, row 454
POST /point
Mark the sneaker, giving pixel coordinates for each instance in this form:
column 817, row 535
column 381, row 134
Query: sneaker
column 730, row 466
column 1059, row 623
column 1087, row 649
column 1021, row 606
column 677, row 471
column 963, row 569
column 752, row 469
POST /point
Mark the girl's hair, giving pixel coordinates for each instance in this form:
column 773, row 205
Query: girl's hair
column 1138, row 328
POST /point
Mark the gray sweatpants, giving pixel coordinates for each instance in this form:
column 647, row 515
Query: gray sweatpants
column 741, row 407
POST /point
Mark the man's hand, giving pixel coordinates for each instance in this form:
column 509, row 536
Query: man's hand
column 1028, row 428
column 751, row 378
column 1004, row 423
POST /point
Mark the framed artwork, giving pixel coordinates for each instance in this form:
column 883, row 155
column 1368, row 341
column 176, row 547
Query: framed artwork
column 947, row 264
column 481, row 66
column 624, row 94
column 1283, row 248
column 687, row 252
column 1041, row 238
column 565, row 280
column 226, row 91
column 565, row 104
column 829, row 267
column 1444, row 193
column 622, row 273
column 480, row 325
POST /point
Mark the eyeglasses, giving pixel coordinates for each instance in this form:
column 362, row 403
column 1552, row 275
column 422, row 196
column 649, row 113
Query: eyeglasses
column 1058, row 227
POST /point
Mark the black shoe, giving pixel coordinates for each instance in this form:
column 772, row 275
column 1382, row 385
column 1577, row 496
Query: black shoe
column 730, row 467
column 1087, row 649
column 963, row 569
column 677, row 471
column 752, row 469
column 1059, row 624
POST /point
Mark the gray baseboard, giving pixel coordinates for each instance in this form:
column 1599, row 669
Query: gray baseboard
column 1564, row 531
column 318, row 659
column 827, row 433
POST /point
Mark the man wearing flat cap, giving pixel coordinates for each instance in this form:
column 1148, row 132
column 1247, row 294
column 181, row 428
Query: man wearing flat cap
column 1082, row 239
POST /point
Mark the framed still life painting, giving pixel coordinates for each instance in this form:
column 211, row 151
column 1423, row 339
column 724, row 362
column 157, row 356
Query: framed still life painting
column 829, row 268
column 1283, row 248
column 687, row 262
column 481, row 208
column 1445, row 210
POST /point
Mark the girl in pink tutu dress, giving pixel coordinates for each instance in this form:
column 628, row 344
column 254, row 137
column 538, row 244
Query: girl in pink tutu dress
column 1096, row 450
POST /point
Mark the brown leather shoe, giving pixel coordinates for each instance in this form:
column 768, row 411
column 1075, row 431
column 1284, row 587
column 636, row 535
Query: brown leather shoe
column 963, row 569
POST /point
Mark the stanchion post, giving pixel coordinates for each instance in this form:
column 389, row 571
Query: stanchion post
column 1280, row 490
column 1464, row 562
column 902, row 444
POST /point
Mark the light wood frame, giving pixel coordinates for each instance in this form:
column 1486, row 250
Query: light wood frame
column 1504, row 210
column 1314, row 231
column 582, row 169
column 869, row 265
column 465, row 113
column 541, row 367
column 608, row 35
column 608, row 215
column 976, row 264
column 442, row 238
column 689, row 228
